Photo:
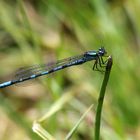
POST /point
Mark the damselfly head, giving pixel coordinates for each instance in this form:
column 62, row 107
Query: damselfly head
column 102, row 51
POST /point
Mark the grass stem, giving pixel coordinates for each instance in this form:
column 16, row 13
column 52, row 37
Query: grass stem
column 101, row 98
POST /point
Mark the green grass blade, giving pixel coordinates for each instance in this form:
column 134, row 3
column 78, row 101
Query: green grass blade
column 101, row 98
column 57, row 106
column 37, row 128
column 77, row 124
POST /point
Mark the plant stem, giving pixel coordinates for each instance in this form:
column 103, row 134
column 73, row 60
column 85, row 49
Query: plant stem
column 101, row 98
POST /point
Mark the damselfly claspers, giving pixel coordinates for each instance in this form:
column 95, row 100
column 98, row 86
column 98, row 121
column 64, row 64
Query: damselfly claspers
column 40, row 70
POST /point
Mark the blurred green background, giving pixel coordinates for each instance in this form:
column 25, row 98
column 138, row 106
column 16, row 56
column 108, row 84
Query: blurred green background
column 34, row 32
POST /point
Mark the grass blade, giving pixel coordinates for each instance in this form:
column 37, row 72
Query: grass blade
column 77, row 124
column 101, row 98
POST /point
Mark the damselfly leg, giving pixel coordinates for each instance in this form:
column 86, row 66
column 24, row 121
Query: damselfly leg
column 99, row 64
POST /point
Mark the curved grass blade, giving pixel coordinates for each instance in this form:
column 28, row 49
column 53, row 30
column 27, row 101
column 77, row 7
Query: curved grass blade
column 101, row 98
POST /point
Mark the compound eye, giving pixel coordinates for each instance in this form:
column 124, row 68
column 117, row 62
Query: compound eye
column 102, row 51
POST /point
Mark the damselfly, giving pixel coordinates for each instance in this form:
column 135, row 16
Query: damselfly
column 39, row 70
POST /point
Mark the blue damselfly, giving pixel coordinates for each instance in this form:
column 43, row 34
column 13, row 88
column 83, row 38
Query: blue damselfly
column 39, row 70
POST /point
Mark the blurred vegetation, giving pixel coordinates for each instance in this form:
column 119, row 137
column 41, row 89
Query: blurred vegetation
column 33, row 32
